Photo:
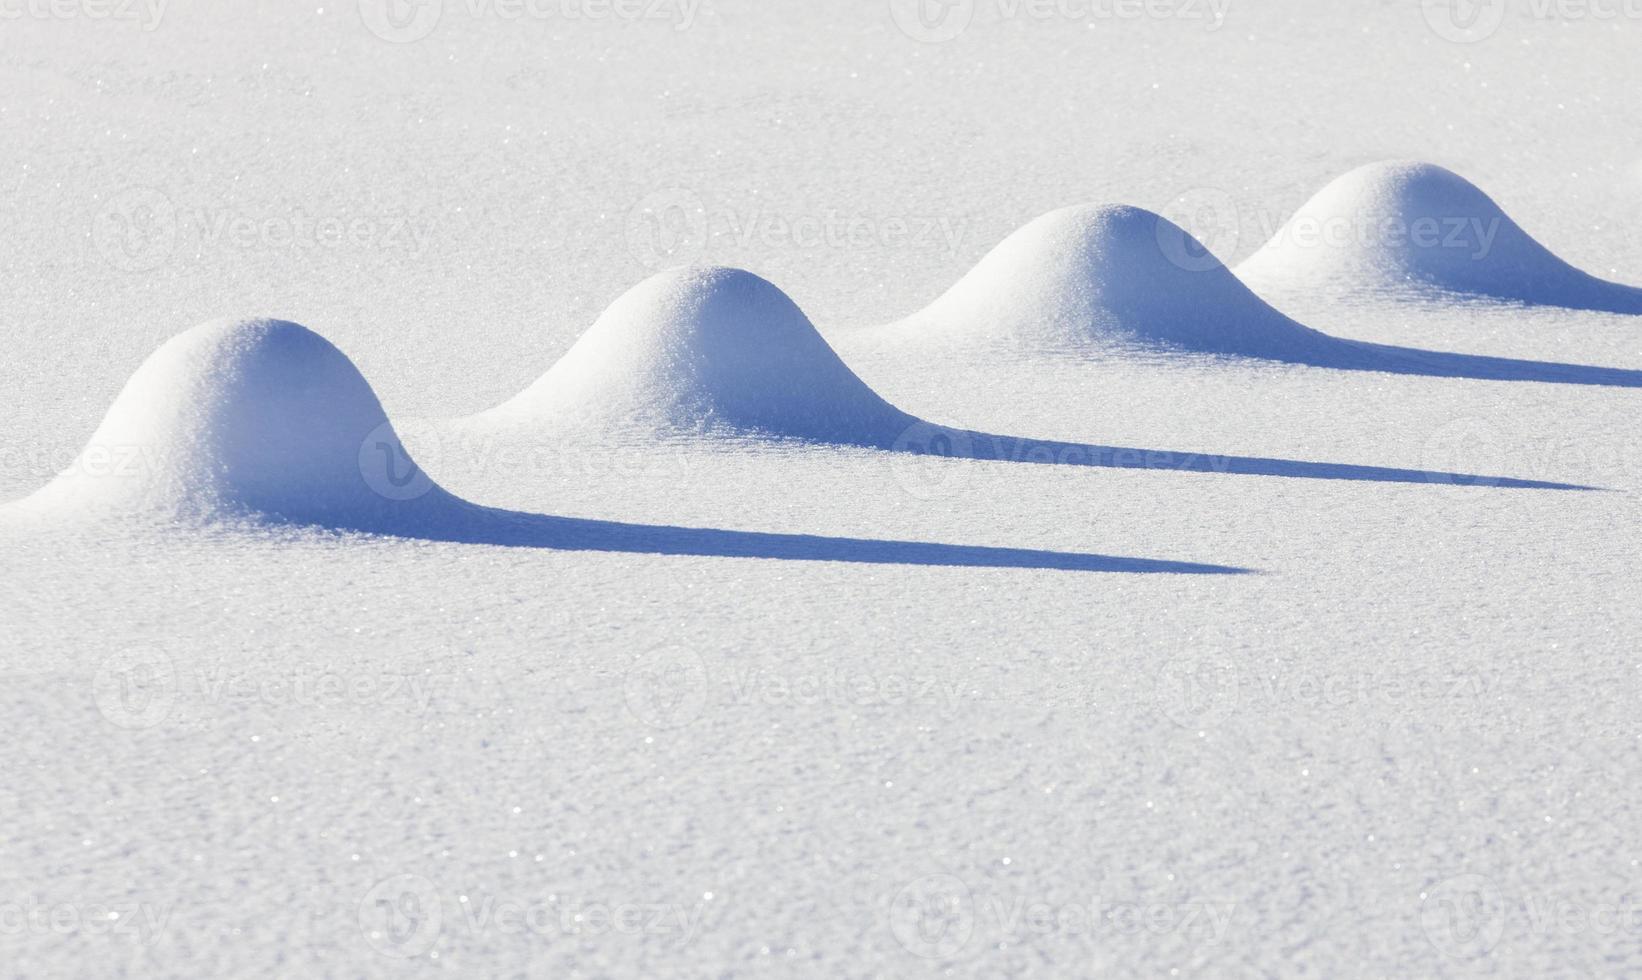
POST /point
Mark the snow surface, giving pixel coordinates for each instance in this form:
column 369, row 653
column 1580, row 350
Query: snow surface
column 246, row 421
column 676, row 703
column 1117, row 280
column 1111, row 277
column 1413, row 225
column 702, row 351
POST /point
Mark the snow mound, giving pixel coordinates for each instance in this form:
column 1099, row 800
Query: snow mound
column 248, row 420
column 1404, row 224
column 1109, row 276
column 704, row 351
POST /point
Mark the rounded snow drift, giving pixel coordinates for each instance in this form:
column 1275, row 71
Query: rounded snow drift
column 703, row 351
column 248, row 420
column 1406, row 225
column 1109, row 276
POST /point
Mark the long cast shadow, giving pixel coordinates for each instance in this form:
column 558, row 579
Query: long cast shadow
column 1360, row 355
column 1590, row 293
column 1582, row 291
column 1311, row 348
column 449, row 519
column 935, row 443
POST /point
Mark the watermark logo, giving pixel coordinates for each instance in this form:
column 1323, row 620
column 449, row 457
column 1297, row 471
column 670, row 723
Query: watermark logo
column 1585, row 10
column 666, row 688
column 387, row 467
column 1459, row 447
column 407, row 21
column 136, row 230
column 135, row 688
column 860, row 690
column 1193, row 694
column 924, row 461
column 937, row 21
column 938, row 916
column 147, row 14
column 142, row 687
column 555, row 916
column 96, row 460
column 668, row 227
column 314, row 686
column 401, row 21
column 1463, row 917
column 674, row 227
column 1204, row 227
column 1472, row 444
column 297, row 230
column 933, row 917
column 923, row 464
column 460, row 454
column 402, row 916
column 1467, row 916
column 932, row 21
column 1464, row 21
column 141, row 923
column 1198, row 227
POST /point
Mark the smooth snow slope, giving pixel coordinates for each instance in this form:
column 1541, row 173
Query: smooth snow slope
column 247, row 420
column 1110, row 277
column 1406, row 748
column 1412, row 226
column 715, row 353
column 1117, row 281
column 702, row 350
column 264, row 424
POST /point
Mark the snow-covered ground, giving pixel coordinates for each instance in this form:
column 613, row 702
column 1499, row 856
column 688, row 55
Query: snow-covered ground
column 1180, row 664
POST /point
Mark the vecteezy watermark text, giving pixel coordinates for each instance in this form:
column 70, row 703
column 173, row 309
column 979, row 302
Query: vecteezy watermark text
column 1471, row 21
column 1214, row 221
column 140, row 229
column 939, row 916
column 138, row 922
column 407, row 21
column 1197, row 691
column 139, row 687
column 671, row 687
column 405, row 916
column 674, row 227
column 1467, row 916
column 936, row 21
column 147, row 14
